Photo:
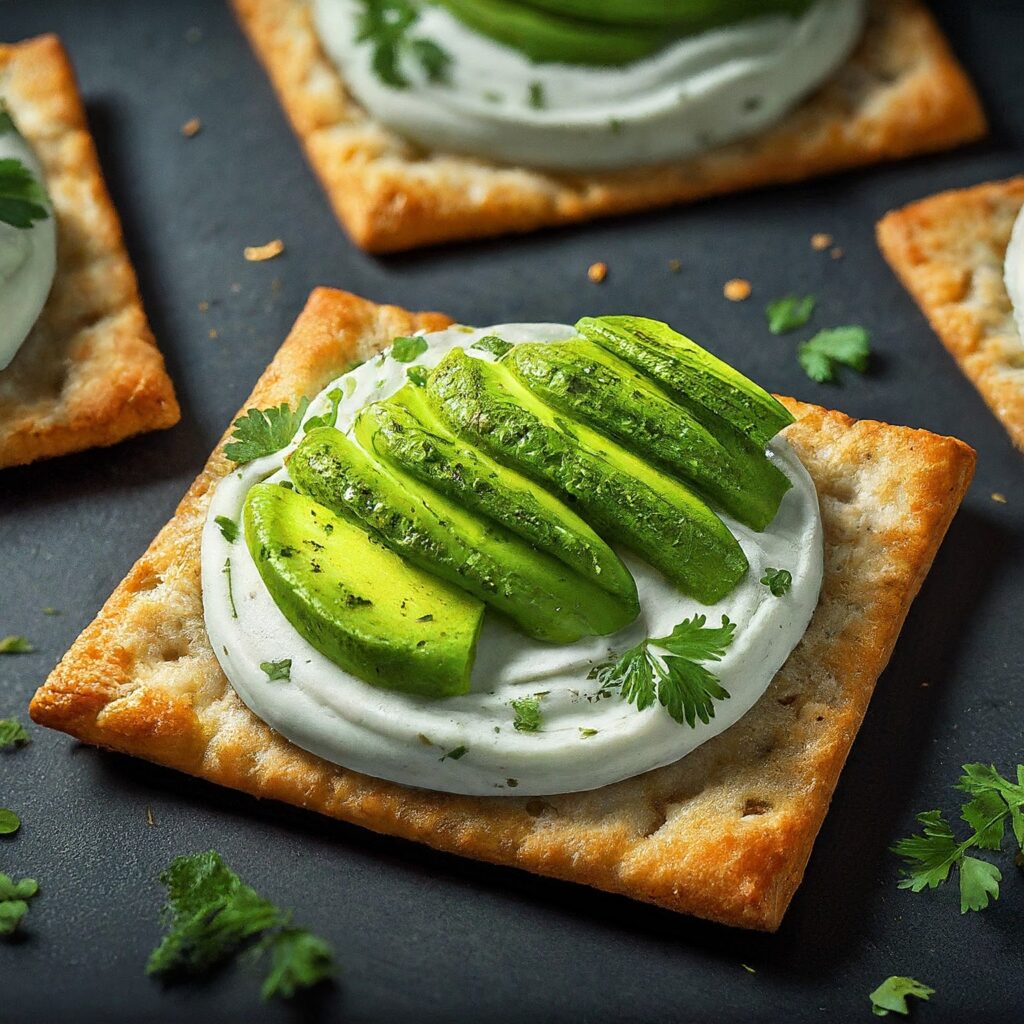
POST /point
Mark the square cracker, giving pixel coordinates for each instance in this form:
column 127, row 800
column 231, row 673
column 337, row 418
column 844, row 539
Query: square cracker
column 89, row 373
column 724, row 833
column 948, row 250
column 901, row 93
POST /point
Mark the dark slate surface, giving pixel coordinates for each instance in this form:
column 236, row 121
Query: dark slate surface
column 422, row 936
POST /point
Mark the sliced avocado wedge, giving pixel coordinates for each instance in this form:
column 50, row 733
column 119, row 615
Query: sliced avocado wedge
column 406, row 431
column 544, row 598
column 689, row 373
column 627, row 500
column 358, row 603
column 583, row 380
column 682, row 15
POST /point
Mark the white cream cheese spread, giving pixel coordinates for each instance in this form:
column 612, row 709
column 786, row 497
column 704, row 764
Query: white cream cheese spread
column 697, row 93
column 589, row 736
column 1013, row 272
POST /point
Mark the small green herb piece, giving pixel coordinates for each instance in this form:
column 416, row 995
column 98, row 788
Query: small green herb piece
column 231, row 597
column 677, row 679
column 228, row 528
column 50, row 611
column 385, row 25
column 891, row 995
column 587, row 733
column 527, row 711
column 15, row 645
column 493, row 344
column 789, row 313
column 12, row 733
column 778, row 581
column 22, row 198
column 537, row 99
column 211, row 915
column 435, row 61
column 418, row 375
column 277, row 669
column 9, row 822
column 455, row 753
column 264, row 431
column 931, row 855
column 327, row 419
column 7, row 124
column 14, row 897
column 405, row 350
column 846, row 345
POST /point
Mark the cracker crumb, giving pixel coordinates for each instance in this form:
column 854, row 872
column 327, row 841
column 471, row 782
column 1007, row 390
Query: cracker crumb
column 597, row 272
column 675, row 266
column 235, row 287
column 999, row 498
column 259, row 253
column 737, row 289
column 820, row 241
column 150, row 820
column 193, row 35
column 191, row 127
column 204, row 306
column 836, row 253
column 213, row 332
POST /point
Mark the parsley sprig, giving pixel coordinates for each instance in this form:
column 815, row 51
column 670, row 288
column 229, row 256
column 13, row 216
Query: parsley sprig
column 12, row 733
column 264, row 431
column 22, row 198
column 932, row 855
column 386, row 25
column 821, row 355
column 212, row 915
column 676, row 678
column 891, row 995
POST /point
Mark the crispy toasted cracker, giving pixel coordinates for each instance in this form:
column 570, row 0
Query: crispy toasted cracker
column 948, row 250
column 724, row 834
column 901, row 93
column 89, row 373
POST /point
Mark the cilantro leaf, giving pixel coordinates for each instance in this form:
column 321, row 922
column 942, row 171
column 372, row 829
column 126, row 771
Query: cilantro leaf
column 789, row 313
column 327, row 419
column 455, row 753
column 536, row 96
column 12, row 733
column 15, row 645
column 417, row 375
column 385, row 25
column 676, row 678
column 299, row 959
column 778, row 581
column 9, row 822
column 846, row 345
column 22, row 198
column 435, row 61
column 405, row 350
column 228, row 528
column 277, row 669
column 14, row 897
column 264, row 431
column 493, row 344
column 527, row 711
column 891, row 995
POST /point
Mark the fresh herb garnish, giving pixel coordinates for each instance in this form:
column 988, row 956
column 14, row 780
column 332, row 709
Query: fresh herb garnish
column 527, row 712
column 677, row 679
column 211, row 915
column 15, row 645
column 14, row 897
column 846, row 345
column 585, row 734
column 536, row 98
column 455, row 753
column 891, row 995
column 22, row 198
column 789, row 313
column 931, row 855
column 405, row 350
column 493, row 344
column 277, row 669
column 386, row 25
column 50, row 611
column 417, row 375
column 264, row 431
column 12, row 733
column 778, row 581
column 7, row 124
column 228, row 528
column 9, row 822
column 327, row 419
column 231, row 597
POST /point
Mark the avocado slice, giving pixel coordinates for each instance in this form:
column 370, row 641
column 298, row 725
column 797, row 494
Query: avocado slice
column 582, row 379
column 405, row 431
column 358, row 603
column 682, row 15
column 691, row 374
column 627, row 500
column 544, row 598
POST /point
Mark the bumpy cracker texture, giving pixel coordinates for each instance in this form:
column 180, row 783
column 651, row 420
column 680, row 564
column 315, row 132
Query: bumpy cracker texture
column 948, row 251
column 724, row 834
column 89, row 373
column 901, row 93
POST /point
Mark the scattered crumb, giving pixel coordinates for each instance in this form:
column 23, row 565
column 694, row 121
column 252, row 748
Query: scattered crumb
column 675, row 266
column 748, row 968
column 213, row 332
column 836, row 253
column 204, row 306
column 150, row 820
column 924, row 686
column 820, row 241
column 1000, row 498
column 259, row 253
column 275, row 285
column 191, row 127
column 50, row 611
column 235, row 287
column 737, row 289
column 193, row 35
column 597, row 272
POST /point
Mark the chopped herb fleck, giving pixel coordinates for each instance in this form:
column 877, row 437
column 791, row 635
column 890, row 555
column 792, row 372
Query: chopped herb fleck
column 15, row 645
column 50, row 611
column 22, row 198
column 327, row 419
column 527, row 712
column 493, row 344
column 405, row 350
column 386, row 25
column 789, row 313
column 455, row 753
column 587, row 733
column 231, row 597
column 277, row 669
column 14, row 897
column 417, row 375
column 537, row 99
column 9, row 822
column 12, row 734
column 228, row 528
column 891, row 995
column 778, row 581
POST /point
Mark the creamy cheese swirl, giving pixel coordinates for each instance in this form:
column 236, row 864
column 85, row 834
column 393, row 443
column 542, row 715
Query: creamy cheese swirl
column 404, row 738
column 28, row 261
column 697, row 93
column 1013, row 272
